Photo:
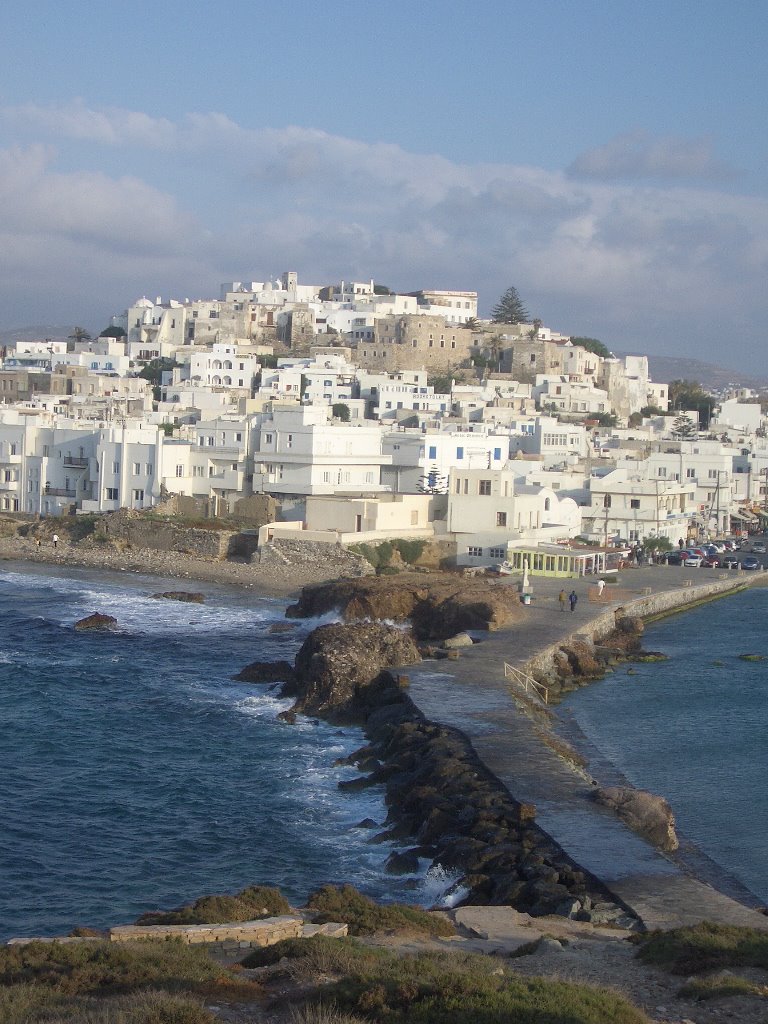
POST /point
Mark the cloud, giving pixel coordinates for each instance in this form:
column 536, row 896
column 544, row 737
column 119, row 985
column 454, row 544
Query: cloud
column 589, row 254
column 638, row 155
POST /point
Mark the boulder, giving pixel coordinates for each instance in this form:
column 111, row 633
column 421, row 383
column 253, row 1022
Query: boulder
column 438, row 605
column 645, row 813
column 96, row 622
column 460, row 640
column 340, row 673
column 266, row 672
column 181, row 595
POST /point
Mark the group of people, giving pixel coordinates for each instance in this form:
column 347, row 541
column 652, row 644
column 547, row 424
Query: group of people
column 572, row 598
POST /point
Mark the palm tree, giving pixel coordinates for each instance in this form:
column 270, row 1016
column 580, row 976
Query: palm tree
column 78, row 334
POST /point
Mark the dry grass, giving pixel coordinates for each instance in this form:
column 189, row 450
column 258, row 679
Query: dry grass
column 364, row 917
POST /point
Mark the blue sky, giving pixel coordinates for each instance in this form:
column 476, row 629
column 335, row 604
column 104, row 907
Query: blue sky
column 606, row 158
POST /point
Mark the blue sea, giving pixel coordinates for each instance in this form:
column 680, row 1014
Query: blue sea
column 695, row 730
column 137, row 775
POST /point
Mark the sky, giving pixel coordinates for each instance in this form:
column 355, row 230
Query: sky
column 608, row 158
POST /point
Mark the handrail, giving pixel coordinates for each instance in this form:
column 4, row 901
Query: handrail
column 527, row 682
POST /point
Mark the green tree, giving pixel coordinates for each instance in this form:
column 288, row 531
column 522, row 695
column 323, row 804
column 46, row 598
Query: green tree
column 510, row 309
column 471, row 324
column 682, row 428
column 113, row 332
column 635, row 419
column 688, row 394
column 592, row 345
column 657, row 544
column 441, row 383
column 340, row 412
column 606, row 419
column 651, row 410
column 381, row 289
column 78, row 335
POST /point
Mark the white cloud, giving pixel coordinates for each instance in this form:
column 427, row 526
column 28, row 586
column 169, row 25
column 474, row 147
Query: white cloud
column 638, row 155
column 581, row 250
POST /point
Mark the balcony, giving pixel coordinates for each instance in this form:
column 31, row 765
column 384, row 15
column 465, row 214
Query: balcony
column 60, row 492
column 75, row 463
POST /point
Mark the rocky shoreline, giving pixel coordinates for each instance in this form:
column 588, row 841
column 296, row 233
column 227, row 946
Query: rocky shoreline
column 444, row 804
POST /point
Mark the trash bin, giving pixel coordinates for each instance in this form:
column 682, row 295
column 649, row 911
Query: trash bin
column 526, row 598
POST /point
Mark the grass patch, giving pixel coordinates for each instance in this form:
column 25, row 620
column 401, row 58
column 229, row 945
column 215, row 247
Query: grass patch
column 318, row 956
column 364, row 917
column 720, row 988
column 704, row 947
column 440, row 988
column 35, row 1005
column 111, row 968
column 253, row 903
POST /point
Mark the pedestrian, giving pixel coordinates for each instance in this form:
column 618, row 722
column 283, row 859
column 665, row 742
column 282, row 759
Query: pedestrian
column 561, row 599
column 37, row 542
column 600, row 587
column 573, row 597
column 55, row 540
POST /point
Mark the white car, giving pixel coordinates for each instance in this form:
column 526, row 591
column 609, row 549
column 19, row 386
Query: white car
column 692, row 559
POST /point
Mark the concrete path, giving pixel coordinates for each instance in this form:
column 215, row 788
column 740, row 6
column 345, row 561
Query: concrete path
column 473, row 695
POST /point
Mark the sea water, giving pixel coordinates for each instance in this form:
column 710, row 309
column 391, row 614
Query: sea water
column 694, row 729
column 135, row 774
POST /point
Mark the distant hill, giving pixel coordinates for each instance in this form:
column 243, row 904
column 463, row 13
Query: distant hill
column 36, row 332
column 666, row 368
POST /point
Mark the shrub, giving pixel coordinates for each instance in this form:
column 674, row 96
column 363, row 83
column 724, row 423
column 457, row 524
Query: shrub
column 35, row 1005
column 719, row 988
column 111, row 968
column 317, row 955
column 704, row 947
column 440, row 988
column 252, row 903
column 365, row 917
column 410, row 550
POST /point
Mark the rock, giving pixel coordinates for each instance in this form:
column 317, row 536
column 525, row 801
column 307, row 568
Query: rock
column 266, row 672
column 645, row 813
column 438, row 605
column 367, row 823
column 181, row 595
column 402, row 863
column 339, row 669
column 460, row 640
column 281, row 627
column 96, row 622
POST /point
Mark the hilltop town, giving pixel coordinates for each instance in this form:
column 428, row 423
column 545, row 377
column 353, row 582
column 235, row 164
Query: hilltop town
column 347, row 413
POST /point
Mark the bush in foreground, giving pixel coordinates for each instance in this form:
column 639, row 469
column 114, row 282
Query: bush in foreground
column 448, row 988
column 704, row 947
column 110, row 968
column 257, row 901
column 364, row 917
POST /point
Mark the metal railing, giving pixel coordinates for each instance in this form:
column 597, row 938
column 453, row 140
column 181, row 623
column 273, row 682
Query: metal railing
column 527, row 682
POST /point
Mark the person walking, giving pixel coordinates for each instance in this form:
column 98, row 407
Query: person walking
column 600, row 587
column 573, row 597
column 55, row 539
column 561, row 598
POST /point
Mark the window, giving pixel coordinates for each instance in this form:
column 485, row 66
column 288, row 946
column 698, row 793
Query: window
column 690, row 473
column 110, row 493
column 148, row 469
column 634, row 503
column 115, row 467
column 136, row 468
column 267, row 439
column 459, row 453
column 501, row 518
column 138, row 495
column 662, row 471
column 475, row 552
column 179, row 471
column 712, row 474
column 497, row 453
column 238, row 437
column 497, row 552
column 433, row 451
column 484, row 487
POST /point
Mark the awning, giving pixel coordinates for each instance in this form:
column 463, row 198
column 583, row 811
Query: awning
column 742, row 517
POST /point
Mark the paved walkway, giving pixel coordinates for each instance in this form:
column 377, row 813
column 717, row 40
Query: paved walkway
column 473, row 695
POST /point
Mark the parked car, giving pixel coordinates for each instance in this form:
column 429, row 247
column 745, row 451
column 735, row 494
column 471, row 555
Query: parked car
column 710, row 562
column 758, row 548
column 692, row 558
column 750, row 562
column 674, row 557
column 729, row 562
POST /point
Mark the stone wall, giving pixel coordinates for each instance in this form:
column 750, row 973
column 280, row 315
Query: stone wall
column 159, row 535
